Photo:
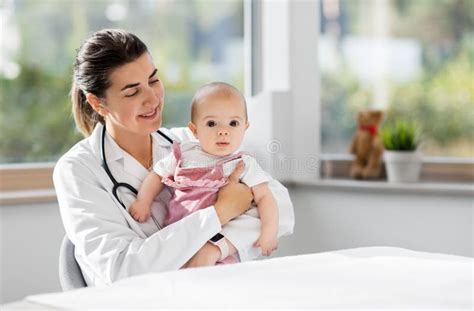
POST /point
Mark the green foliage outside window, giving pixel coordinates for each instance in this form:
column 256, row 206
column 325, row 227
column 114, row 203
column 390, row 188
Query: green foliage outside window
column 35, row 119
column 442, row 103
column 440, row 100
column 190, row 43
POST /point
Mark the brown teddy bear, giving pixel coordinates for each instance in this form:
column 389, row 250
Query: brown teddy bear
column 367, row 146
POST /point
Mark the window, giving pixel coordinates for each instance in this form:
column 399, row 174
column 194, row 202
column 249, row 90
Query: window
column 192, row 42
column 411, row 58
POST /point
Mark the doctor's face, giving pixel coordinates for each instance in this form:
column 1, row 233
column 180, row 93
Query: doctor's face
column 134, row 101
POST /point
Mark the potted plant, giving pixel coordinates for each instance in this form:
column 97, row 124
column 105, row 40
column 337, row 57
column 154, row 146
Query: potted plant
column 402, row 158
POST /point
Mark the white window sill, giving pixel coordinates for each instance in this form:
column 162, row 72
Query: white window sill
column 27, row 197
column 436, row 173
column 26, row 183
column 422, row 187
column 32, row 182
column 462, row 189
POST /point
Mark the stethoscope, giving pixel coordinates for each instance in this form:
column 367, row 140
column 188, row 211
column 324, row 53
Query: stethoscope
column 117, row 185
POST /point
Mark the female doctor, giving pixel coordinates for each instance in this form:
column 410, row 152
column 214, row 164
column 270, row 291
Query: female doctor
column 117, row 102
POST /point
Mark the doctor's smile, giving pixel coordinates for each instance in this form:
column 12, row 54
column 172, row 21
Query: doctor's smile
column 155, row 113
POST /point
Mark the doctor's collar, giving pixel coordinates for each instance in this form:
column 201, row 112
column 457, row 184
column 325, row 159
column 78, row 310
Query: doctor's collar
column 113, row 150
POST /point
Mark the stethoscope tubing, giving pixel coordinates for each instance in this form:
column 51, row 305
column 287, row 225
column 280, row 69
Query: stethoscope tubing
column 117, row 185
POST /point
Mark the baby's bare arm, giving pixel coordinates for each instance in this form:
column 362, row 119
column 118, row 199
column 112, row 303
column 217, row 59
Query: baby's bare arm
column 267, row 208
column 150, row 188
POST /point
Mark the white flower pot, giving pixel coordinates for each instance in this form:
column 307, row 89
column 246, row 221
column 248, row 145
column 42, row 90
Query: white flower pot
column 403, row 166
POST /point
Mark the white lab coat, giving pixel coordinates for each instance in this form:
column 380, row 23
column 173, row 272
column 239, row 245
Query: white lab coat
column 110, row 244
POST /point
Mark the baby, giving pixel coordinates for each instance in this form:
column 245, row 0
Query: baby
column 196, row 170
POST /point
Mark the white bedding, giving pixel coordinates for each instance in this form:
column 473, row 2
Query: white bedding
column 373, row 277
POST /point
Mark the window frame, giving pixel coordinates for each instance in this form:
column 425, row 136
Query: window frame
column 436, row 169
column 25, row 183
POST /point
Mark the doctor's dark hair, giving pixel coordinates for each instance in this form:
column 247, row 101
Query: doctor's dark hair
column 97, row 57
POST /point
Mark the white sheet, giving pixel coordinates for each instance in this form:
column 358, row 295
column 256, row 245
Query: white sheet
column 374, row 277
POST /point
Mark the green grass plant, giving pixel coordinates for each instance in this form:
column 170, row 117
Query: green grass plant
column 401, row 136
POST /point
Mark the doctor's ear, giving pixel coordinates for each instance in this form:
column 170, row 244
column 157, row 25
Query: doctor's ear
column 193, row 129
column 97, row 104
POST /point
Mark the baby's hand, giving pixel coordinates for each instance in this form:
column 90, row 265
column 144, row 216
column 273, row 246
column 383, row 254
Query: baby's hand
column 140, row 211
column 267, row 242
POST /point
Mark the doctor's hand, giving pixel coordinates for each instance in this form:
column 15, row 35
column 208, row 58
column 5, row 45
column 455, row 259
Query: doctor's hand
column 208, row 255
column 140, row 211
column 233, row 199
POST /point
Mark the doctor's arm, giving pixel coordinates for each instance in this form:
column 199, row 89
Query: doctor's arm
column 109, row 248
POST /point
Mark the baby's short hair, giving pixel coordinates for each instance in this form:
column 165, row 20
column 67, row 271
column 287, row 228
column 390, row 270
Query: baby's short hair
column 215, row 89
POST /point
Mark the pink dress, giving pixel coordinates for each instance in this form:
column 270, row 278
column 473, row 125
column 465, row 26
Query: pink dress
column 195, row 188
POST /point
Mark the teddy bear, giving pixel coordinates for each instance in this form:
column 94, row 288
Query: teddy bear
column 367, row 146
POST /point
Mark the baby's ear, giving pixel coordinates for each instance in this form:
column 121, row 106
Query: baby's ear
column 247, row 124
column 192, row 127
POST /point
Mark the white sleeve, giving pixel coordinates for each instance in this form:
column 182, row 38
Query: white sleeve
column 109, row 249
column 253, row 173
column 166, row 166
column 244, row 230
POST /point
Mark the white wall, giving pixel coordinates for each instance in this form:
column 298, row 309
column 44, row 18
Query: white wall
column 338, row 219
column 325, row 220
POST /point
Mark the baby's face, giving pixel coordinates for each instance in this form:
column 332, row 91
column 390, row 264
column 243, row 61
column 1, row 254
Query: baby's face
column 220, row 124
